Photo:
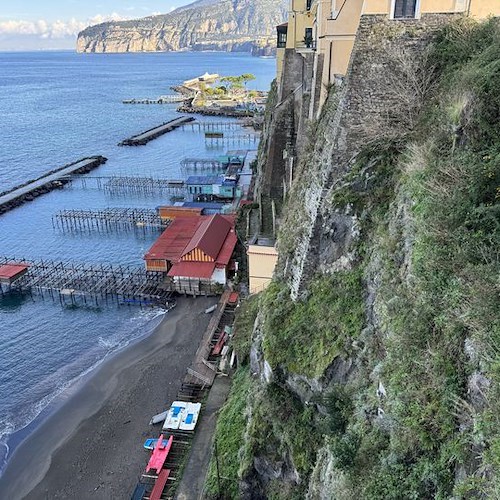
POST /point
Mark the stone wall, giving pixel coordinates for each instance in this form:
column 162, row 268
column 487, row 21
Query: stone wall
column 363, row 109
column 285, row 131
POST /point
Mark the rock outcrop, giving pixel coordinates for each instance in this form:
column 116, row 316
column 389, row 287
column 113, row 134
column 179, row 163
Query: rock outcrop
column 227, row 25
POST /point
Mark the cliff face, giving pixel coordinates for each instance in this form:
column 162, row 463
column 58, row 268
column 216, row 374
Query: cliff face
column 226, row 25
column 373, row 370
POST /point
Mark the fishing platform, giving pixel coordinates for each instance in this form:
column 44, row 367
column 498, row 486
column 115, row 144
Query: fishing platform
column 109, row 219
column 206, row 126
column 149, row 135
column 128, row 184
column 83, row 283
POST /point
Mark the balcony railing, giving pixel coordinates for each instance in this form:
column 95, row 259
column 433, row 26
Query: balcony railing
column 306, row 45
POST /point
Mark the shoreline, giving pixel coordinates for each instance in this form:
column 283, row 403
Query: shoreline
column 98, row 431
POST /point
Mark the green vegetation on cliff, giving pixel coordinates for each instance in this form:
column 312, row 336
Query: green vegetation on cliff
column 306, row 336
column 438, row 434
column 415, row 313
column 230, row 434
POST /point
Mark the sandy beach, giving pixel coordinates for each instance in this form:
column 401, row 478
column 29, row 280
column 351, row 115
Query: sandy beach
column 92, row 446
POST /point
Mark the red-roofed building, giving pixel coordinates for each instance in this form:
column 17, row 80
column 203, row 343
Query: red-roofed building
column 11, row 272
column 195, row 249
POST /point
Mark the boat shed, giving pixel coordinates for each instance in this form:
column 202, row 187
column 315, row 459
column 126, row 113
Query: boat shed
column 171, row 212
column 195, row 248
column 212, row 187
column 207, row 207
column 11, row 272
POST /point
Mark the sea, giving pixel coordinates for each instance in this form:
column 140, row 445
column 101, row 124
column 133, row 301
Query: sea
column 55, row 108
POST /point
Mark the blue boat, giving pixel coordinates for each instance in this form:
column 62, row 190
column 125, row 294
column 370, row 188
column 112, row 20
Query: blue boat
column 150, row 443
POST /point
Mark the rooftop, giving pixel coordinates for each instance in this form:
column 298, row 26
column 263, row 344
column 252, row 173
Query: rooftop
column 11, row 271
column 214, row 235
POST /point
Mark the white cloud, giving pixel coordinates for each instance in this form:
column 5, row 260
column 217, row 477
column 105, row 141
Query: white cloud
column 54, row 29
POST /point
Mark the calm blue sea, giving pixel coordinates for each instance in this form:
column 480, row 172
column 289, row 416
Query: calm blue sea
column 56, row 107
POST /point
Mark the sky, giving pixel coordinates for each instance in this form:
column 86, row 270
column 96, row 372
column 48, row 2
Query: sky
column 54, row 24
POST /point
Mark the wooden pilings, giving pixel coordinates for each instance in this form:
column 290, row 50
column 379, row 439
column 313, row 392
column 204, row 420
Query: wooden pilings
column 108, row 220
column 90, row 283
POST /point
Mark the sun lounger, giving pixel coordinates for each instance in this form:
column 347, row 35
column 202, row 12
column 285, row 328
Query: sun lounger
column 220, row 344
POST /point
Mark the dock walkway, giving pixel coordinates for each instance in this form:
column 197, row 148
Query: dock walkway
column 46, row 183
column 149, row 135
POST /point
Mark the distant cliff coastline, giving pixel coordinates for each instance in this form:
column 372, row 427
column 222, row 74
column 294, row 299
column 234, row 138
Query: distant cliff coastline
column 227, row 25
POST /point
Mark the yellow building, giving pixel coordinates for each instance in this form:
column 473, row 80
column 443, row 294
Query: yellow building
column 262, row 259
column 335, row 25
column 404, row 9
column 300, row 25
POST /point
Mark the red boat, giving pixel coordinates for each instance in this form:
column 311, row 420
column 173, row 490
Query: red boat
column 159, row 454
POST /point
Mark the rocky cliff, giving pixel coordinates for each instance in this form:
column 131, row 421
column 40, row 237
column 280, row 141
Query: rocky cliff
column 371, row 369
column 226, row 25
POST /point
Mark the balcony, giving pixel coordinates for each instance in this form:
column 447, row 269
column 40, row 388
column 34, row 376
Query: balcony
column 306, row 46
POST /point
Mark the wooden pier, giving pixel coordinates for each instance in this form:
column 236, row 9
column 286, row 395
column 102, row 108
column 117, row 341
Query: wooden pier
column 109, row 220
column 73, row 283
column 217, row 140
column 54, row 179
column 149, row 135
column 210, row 126
column 194, row 165
column 140, row 185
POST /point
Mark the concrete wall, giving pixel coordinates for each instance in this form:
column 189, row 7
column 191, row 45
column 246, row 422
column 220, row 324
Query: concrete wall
column 280, row 57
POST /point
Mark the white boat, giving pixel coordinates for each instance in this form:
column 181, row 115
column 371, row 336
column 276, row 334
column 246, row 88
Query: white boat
column 160, row 417
column 174, row 415
column 190, row 417
column 211, row 309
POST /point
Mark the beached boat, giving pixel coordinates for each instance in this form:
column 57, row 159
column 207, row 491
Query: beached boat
column 174, row 416
column 190, row 417
column 160, row 484
column 139, row 492
column 150, row 443
column 159, row 418
column 159, row 455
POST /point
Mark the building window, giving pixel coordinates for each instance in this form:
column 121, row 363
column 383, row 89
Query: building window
column 405, row 9
column 282, row 33
column 308, row 37
column 308, row 4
